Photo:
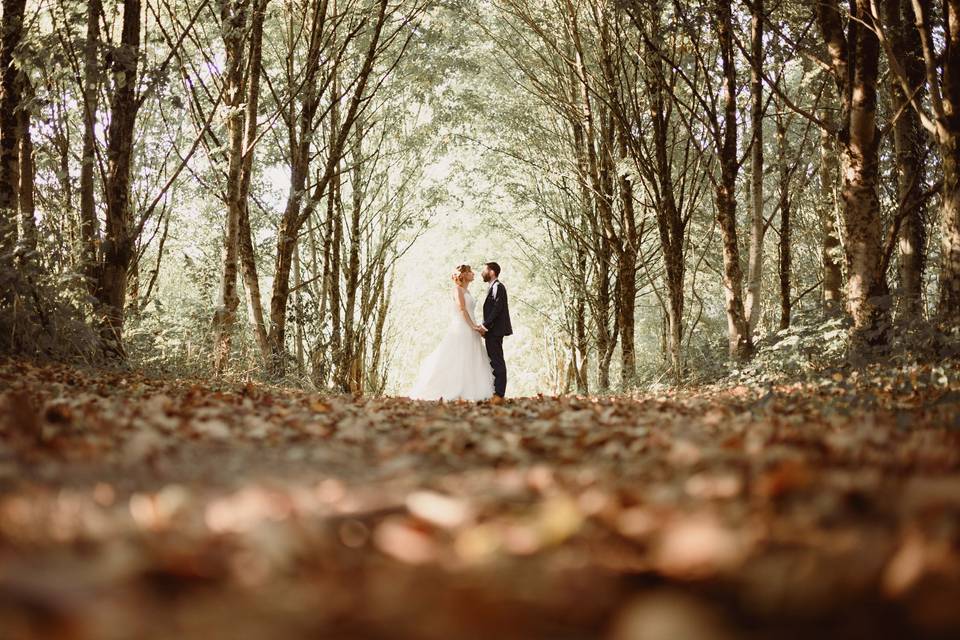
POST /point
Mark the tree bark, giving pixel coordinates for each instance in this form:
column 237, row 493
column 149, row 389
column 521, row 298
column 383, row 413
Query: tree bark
column 327, row 185
column 583, row 346
column 949, row 304
column 757, row 222
column 376, row 349
column 297, row 304
column 627, row 286
column 585, row 209
column 248, row 257
column 785, row 249
column 581, row 340
column 234, row 20
column 300, row 135
column 624, row 235
column 605, row 341
column 333, row 275
column 352, row 354
column 28, row 223
column 89, row 224
column 118, row 244
column 740, row 339
column 10, row 105
column 251, row 281
column 908, row 142
column 855, row 65
column 670, row 222
column 942, row 73
column 242, row 80
column 830, row 250
column 333, row 247
column 596, row 159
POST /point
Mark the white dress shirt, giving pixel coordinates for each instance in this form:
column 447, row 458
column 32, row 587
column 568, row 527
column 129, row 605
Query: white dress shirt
column 493, row 288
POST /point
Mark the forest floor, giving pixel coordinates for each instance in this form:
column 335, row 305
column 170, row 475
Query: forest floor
column 133, row 507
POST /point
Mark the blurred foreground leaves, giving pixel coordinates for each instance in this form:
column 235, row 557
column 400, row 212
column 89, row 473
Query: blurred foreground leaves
column 140, row 508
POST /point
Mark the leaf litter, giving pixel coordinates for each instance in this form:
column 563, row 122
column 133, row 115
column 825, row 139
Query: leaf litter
column 133, row 507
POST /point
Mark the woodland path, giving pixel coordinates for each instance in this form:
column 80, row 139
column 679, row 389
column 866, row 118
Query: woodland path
column 133, row 507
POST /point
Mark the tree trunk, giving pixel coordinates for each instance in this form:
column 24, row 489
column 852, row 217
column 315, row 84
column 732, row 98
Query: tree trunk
column 376, row 349
column 581, row 343
column 251, row 281
column 320, row 361
column 627, row 280
column 297, row 305
column 942, row 72
column 248, row 258
column 352, row 355
column 757, row 223
column 300, row 134
column 278, row 299
column 949, row 304
column 287, row 232
column 327, row 185
column 785, row 249
column 242, row 74
column 335, row 231
column 607, row 295
column 234, row 21
column 740, row 339
column 118, row 243
column 28, row 223
column 908, row 142
column 830, row 250
column 583, row 346
column 601, row 317
column 624, row 236
column 670, row 223
column 855, row 66
column 594, row 145
column 866, row 287
column 585, row 205
column 89, row 224
column 335, row 223
column 10, row 104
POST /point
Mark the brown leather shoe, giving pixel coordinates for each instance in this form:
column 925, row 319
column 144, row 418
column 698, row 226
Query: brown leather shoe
column 496, row 400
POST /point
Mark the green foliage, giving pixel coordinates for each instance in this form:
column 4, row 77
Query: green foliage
column 465, row 157
column 166, row 343
column 810, row 345
column 43, row 312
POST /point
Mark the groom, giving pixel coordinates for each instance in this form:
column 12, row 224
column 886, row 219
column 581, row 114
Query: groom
column 496, row 325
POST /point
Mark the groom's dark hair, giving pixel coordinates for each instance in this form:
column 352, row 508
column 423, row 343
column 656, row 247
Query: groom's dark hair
column 493, row 266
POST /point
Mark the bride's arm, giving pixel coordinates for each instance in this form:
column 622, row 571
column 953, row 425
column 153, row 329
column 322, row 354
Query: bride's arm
column 462, row 305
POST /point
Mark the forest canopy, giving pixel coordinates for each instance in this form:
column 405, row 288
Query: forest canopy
column 676, row 190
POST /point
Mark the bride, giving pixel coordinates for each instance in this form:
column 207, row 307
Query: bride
column 459, row 368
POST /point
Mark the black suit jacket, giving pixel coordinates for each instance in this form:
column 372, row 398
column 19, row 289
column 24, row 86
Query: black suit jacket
column 496, row 313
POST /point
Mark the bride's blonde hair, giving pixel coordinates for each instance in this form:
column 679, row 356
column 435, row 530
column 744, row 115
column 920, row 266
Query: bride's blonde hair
column 458, row 271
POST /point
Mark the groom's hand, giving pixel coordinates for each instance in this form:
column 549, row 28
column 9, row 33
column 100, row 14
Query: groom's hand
column 481, row 329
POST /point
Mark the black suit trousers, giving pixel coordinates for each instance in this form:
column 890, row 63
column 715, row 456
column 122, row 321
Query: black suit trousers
column 495, row 352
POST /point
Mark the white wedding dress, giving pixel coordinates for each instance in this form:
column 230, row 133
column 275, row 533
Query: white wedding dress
column 459, row 368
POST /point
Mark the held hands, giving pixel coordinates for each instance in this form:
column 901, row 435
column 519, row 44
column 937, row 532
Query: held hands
column 482, row 330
